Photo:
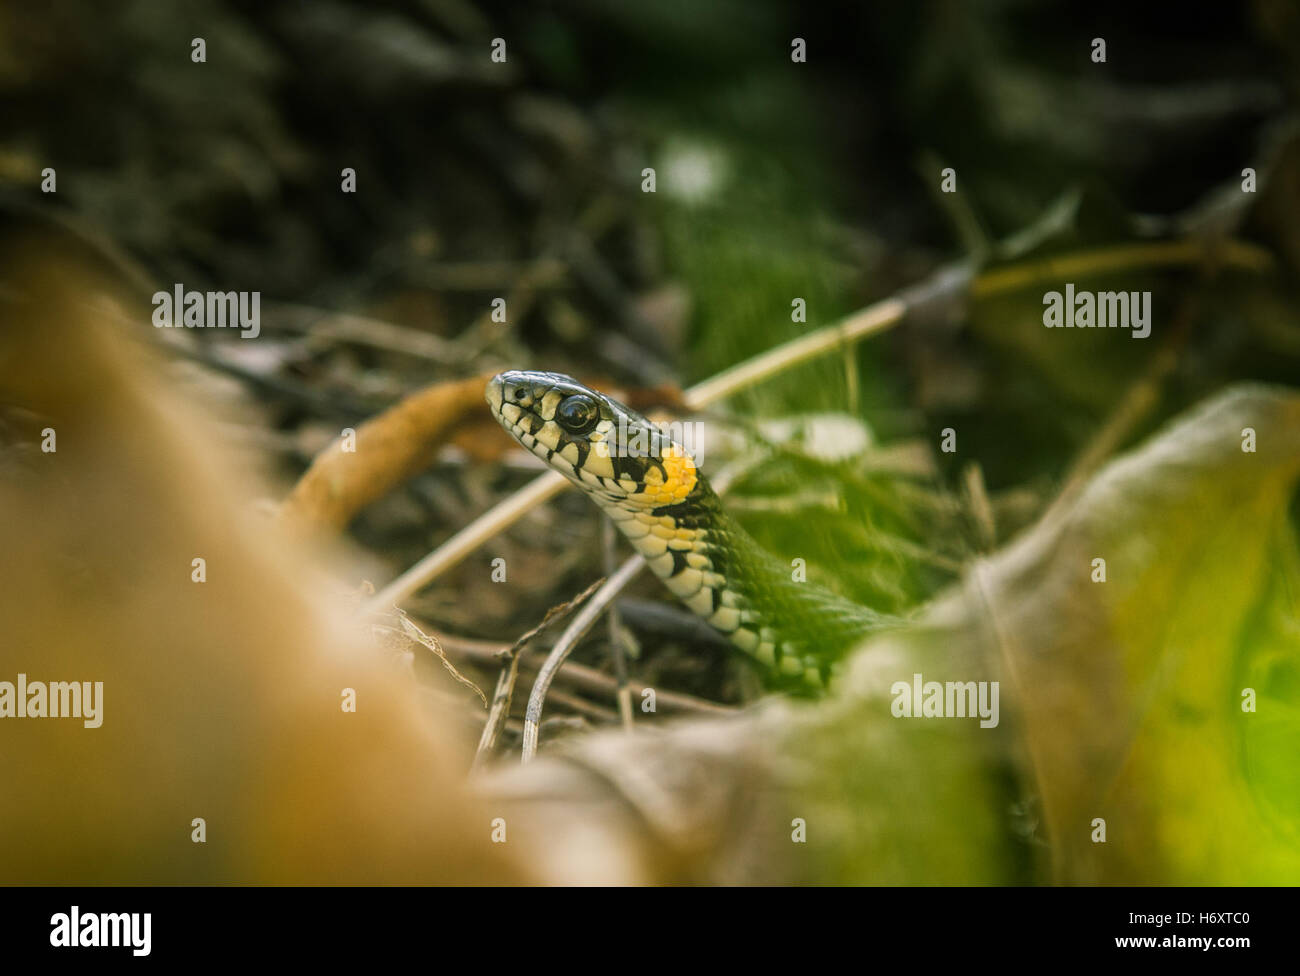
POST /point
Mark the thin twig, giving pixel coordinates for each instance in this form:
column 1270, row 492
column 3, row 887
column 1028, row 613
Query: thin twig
column 872, row 319
column 415, row 634
column 568, row 640
column 582, row 677
column 505, row 689
column 451, row 552
column 1123, row 257
column 502, row 696
column 617, row 650
column 586, row 709
column 364, row 330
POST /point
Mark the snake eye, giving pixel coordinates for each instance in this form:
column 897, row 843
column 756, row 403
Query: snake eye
column 577, row 414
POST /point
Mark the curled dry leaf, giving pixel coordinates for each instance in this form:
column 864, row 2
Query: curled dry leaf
column 390, row 449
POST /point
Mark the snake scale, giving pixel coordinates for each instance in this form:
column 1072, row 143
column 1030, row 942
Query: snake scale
column 649, row 485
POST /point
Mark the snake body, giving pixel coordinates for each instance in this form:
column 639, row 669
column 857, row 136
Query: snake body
column 648, row 484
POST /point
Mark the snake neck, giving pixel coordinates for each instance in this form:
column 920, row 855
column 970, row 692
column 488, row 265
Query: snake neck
column 721, row 573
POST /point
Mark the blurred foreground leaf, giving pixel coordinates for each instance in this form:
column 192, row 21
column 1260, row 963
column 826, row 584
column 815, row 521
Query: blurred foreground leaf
column 1132, row 689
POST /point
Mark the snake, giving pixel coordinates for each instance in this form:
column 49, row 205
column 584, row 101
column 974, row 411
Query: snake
column 649, row 485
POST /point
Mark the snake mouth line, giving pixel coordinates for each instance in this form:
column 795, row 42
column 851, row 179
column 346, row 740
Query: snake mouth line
column 614, row 453
column 627, row 435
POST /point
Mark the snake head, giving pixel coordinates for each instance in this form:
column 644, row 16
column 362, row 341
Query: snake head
column 609, row 450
